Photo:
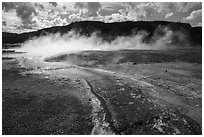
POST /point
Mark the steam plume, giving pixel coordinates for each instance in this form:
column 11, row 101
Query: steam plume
column 54, row 44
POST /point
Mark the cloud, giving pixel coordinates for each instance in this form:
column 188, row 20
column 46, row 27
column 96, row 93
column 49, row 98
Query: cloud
column 85, row 11
column 112, row 6
column 195, row 15
column 32, row 16
column 58, row 21
column 93, row 8
column 47, row 19
column 139, row 11
column 39, row 6
column 149, row 9
column 90, row 9
column 79, row 5
column 105, row 12
column 4, row 23
column 54, row 4
column 36, row 15
column 26, row 12
column 158, row 10
column 74, row 16
column 68, row 6
column 186, row 6
column 176, row 6
column 169, row 14
column 169, row 7
column 9, row 5
column 11, row 21
column 115, row 17
column 199, row 24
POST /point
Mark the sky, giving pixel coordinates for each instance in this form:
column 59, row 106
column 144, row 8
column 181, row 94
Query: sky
column 21, row 17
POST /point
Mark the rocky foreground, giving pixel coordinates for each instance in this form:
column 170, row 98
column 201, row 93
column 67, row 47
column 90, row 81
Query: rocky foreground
column 114, row 99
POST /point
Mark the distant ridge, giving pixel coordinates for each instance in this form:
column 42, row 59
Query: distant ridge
column 109, row 31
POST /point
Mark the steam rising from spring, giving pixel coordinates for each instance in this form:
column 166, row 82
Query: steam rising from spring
column 55, row 44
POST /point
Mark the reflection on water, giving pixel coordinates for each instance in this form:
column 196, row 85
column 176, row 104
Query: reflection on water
column 34, row 62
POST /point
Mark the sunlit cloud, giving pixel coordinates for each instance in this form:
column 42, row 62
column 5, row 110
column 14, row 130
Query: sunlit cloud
column 195, row 15
column 169, row 14
column 29, row 16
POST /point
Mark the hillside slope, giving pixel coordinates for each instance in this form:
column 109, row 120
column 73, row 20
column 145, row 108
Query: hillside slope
column 110, row 31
